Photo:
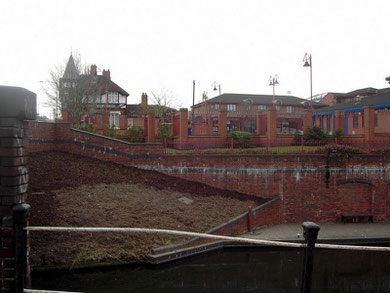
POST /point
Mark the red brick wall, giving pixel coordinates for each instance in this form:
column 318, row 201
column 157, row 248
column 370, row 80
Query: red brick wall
column 353, row 186
column 43, row 136
column 356, row 185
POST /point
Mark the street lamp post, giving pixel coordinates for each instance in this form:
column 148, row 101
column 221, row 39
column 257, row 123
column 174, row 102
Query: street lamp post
column 216, row 87
column 273, row 80
column 308, row 63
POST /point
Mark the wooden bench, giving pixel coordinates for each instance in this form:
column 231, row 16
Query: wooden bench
column 356, row 218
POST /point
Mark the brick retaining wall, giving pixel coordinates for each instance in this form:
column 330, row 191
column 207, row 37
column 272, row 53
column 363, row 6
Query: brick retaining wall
column 310, row 187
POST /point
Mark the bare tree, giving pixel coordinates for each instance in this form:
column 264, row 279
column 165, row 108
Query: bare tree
column 164, row 104
column 72, row 87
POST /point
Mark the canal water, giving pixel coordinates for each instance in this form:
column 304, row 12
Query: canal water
column 239, row 270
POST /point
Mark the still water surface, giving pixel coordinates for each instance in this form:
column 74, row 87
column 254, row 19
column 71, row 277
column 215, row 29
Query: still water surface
column 244, row 270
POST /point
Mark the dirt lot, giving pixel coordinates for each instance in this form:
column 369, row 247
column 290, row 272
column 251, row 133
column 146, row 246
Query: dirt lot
column 70, row 190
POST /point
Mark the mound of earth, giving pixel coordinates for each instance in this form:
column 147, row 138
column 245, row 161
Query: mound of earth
column 71, row 190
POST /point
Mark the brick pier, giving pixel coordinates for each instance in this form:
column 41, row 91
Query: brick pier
column 16, row 106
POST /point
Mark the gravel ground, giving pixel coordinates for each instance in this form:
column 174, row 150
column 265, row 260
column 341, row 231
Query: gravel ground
column 71, row 190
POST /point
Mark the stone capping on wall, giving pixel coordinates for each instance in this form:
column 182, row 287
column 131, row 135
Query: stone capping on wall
column 215, row 229
column 265, row 204
column 354, row 180
column 114, row 139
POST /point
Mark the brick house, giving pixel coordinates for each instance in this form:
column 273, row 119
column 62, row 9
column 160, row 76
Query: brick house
column 242, row 110
column 105, row 101
column 331, row 98
column 350, row 116
column 137, row 113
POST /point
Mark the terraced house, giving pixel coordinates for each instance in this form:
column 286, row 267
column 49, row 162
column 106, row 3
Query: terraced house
column 248, row 113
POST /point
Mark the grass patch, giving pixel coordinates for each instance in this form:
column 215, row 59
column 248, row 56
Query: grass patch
column 258, row 150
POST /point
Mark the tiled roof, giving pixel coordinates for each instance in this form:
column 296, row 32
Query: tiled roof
column 136, row 110
column 103, row 83
column 382, row 98
column 259, row 100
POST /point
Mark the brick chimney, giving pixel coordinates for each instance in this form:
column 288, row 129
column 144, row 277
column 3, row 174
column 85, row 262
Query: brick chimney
column 107, row 74
column 144, row 102
column 93, row 70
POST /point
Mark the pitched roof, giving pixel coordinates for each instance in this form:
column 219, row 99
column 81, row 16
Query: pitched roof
column 71, row 70
column 258, row 99
column 111, row 86
column 137, row 111
column 103, row 83
column 380, row 100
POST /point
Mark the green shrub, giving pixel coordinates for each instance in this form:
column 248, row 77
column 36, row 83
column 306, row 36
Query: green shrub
column 86, row 127
column 337, row 133
column 112, row 132
column 164, row 131
column 135, row 134
column 315, row 133
column 240, row 136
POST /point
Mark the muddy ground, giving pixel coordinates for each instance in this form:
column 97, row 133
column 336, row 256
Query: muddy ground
column 71, row 190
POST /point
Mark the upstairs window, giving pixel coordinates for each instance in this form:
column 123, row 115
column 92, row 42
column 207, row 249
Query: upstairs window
column 113, row 98
column 231, row 107
column 216, row 106
column 290, row 109
column 261, row 107
column 278, row 103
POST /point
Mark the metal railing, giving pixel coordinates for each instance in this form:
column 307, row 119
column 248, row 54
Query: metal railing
column 310, row 232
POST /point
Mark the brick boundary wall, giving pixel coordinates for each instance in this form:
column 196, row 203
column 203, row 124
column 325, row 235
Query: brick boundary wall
column 45, row 136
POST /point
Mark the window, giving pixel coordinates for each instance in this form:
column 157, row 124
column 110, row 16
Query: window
column 113, row 98
column 114, row 119
column 290, row 109
column 278, row 103
column 363, row 120
column 355, row 121
column 322, row 122
column 231, row 107
column 216, row 106
column 122, row 99
column 261, row 107
column 376, row 118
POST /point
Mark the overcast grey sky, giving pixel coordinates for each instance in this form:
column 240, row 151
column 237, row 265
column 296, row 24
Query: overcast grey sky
column 153, row 45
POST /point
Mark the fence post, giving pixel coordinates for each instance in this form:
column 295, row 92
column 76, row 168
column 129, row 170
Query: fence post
column 310, row 232
column 302, row 144
column 250, row 219
column 266, row 150
column 21, row 214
